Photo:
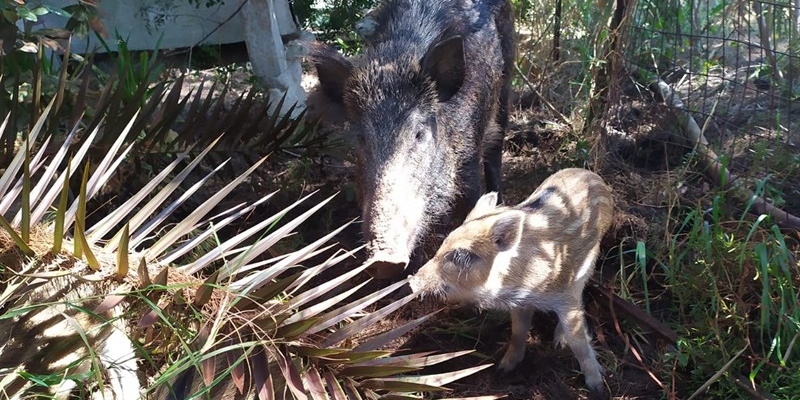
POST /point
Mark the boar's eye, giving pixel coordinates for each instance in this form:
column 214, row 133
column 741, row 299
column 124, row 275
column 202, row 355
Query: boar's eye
column 462, row 258
column 425, row 129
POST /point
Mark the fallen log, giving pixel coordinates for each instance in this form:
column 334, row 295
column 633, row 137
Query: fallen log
column 716, row 170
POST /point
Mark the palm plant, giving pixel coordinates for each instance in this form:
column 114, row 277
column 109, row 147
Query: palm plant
column 114, row 308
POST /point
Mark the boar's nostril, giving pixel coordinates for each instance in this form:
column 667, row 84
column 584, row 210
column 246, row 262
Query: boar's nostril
column 381, row 269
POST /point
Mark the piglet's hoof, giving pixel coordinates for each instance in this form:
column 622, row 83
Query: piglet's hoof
column 599, row 393
column 509, row 362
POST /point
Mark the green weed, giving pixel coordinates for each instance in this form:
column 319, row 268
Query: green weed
column 734, row 301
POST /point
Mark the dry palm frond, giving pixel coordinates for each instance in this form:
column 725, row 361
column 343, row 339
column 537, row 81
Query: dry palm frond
column 230, row 324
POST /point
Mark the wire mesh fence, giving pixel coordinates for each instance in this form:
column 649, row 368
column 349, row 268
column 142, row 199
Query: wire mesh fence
column 736, row 67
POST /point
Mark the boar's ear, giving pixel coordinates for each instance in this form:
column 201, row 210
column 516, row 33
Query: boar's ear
column 333, row 70
column 485, row 204
column 444, row 63
column 507, row 230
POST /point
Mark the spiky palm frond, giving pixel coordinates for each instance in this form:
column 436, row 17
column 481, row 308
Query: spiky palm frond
column 229, row 324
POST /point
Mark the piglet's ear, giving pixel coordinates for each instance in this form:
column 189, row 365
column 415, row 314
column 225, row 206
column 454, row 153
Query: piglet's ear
column 444, row 63
column 507, row 230
column 485, row 204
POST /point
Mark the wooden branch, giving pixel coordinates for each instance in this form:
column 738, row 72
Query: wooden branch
column 541, row 98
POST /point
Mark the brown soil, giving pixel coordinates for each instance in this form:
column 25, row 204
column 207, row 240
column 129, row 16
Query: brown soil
column 641, row 160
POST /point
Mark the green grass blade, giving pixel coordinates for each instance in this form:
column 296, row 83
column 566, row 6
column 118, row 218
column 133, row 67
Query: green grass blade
column 25, row 207
column 122, row 254
column 641, row 263
column 80, row 215
column 78, row 328
column 58, row 230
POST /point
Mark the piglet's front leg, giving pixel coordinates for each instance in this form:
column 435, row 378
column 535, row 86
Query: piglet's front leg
column 520, row 326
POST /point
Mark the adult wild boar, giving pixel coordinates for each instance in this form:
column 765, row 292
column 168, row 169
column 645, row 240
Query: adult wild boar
column 427, row 105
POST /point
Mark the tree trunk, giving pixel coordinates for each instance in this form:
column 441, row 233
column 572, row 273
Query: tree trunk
column 276, row 68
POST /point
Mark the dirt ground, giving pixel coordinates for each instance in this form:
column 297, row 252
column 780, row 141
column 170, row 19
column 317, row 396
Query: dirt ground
column 639, row 161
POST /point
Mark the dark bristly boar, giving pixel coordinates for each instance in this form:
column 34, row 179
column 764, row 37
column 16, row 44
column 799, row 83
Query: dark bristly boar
column 426, row 103
column 535, row 255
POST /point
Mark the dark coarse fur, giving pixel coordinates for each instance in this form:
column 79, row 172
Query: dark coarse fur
column 442, row 67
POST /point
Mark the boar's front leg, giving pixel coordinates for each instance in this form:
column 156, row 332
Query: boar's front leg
column 492, row 169
column 470, row 191
column 520, row 326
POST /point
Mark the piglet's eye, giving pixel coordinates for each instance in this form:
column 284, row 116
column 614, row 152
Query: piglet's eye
column 461, row 257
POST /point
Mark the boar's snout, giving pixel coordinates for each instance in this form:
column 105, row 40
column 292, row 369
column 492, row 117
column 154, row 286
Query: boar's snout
column 385, row 265
column 392, row 228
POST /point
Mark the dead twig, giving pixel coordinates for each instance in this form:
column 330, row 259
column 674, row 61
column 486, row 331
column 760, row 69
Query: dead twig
column 612, row 301
column 633, row 312
column 544, row 101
